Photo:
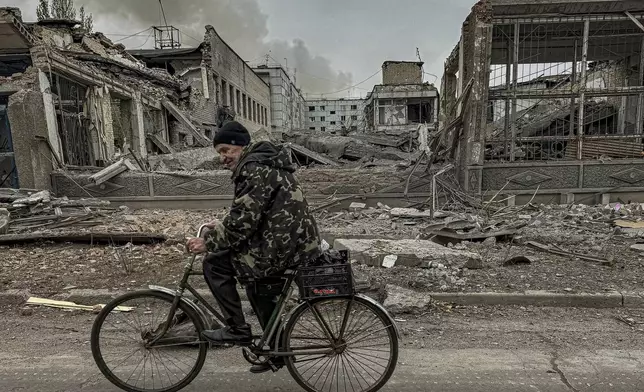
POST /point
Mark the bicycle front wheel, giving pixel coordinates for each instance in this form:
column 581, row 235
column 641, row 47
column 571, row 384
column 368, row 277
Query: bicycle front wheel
column 122, row 346
column 341, row 344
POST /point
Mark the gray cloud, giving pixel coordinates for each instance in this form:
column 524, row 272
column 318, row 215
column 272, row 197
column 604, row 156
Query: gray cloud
column 240, row 22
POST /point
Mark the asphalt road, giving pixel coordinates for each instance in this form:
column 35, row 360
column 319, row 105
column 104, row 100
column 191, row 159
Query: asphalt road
column 472, row 349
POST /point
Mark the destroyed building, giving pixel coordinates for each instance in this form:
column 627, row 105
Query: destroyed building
column 220, row 79
column 287, row 101
column 335, row 115
column 545, row 101
column 402, row 102
column 73, row 99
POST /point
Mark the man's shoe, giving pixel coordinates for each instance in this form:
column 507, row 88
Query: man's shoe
column 239, row 335
column 278, row 363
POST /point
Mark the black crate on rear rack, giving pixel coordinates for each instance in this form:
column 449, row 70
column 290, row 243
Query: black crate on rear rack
column 330, row 280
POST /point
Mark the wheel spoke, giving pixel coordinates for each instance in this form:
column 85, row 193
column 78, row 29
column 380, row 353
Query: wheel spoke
column 160, row 367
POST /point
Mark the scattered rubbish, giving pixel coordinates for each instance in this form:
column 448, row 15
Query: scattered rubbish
column 115, row 238
column 71, row 305
column 560, row 252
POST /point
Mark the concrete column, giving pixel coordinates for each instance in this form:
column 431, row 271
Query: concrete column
column 138, row 128
column 475, row 109
column 108, row 122
column 28, row 120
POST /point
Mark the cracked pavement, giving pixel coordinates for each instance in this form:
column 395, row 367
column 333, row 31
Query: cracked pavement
column 469, row 349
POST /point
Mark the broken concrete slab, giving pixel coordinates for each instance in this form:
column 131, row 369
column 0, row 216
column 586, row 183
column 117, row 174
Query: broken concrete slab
column 415, row 213
column 36, row 198
column 404, row 301
column 311, row 155
column 409, row 253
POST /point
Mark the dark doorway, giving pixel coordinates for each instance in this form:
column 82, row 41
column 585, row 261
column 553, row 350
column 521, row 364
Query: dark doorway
column 8, row 170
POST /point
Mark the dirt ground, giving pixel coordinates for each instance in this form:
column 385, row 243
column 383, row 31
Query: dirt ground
column 48, row 268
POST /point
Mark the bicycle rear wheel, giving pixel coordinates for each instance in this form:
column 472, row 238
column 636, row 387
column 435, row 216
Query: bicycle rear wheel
column 121, row 337
column 358, row 336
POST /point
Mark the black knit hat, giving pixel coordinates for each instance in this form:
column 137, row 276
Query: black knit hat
column 232, row 133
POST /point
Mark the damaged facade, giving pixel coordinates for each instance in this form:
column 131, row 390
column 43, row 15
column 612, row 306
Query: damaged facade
column 68, row 98
column 287, row 102
column 402, row 102
column 222, row 84
column 533, row 101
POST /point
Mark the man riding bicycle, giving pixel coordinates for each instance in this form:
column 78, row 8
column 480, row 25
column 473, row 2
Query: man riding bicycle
column 269, row 229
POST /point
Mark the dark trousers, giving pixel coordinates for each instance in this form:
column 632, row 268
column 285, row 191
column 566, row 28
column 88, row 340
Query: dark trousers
column 221, row 278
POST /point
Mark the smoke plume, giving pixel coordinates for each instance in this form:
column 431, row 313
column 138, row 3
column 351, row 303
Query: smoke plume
column 241, row 23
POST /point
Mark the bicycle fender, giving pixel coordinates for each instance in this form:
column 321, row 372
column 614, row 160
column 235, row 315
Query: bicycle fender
column 184, row 300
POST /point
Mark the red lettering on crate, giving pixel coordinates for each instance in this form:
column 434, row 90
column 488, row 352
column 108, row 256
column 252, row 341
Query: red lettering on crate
column 324, row 291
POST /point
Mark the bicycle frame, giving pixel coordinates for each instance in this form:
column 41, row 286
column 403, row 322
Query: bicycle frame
column 276, row 322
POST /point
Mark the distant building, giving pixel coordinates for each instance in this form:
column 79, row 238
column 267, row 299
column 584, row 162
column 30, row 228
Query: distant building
column 287, row 102
column 335, row 115
column 402, row 101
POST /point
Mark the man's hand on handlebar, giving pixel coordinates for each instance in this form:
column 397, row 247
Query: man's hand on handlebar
column 196, row 245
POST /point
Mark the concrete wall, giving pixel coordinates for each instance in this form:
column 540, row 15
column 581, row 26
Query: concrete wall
column 28, row 119
column 218, row 183
column 344, row 114
column 232, row 70
column 402, row 73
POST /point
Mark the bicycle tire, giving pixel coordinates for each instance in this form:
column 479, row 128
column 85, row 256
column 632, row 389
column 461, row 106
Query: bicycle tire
column 107, row 372
column 378, row 312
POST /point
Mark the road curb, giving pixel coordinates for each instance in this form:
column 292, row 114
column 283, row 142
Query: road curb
column 528, row 298
column 540, row 298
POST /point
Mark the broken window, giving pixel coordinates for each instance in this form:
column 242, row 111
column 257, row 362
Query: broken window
column 312, row 118
column 245, row 109
column 354, row 118
column 343, row 107
column 231, row 97
column 223, row 92
column 332, row 112
column 381, row 115
column 343, row 118
column 238, row 108
column 419, row 112
column 311, row 108
column 332, row 123
column 312, row 128
column 322, row 107
column 354, row 107
column 322, row 118
column 73, row 124
column 323, row 129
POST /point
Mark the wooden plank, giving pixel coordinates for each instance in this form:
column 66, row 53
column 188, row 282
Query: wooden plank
column 161, row 144
column 109, row 172
column 200, row 138
column 71, row 305
column 116, row 238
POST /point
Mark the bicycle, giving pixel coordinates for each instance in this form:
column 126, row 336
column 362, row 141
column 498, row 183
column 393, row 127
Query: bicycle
column 342, row 349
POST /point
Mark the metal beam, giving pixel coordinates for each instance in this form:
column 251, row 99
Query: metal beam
column 569, row 93
column 515, row 77
column 634, row 19
column 582, row 88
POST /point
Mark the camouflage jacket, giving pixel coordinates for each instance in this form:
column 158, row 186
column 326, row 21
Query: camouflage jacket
column 269, row 227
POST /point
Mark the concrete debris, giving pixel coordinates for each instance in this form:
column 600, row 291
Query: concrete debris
column 409, row 253
column 111, row 171
column 400, row 300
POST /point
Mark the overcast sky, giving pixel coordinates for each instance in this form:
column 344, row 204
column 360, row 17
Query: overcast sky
column 334, row 43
